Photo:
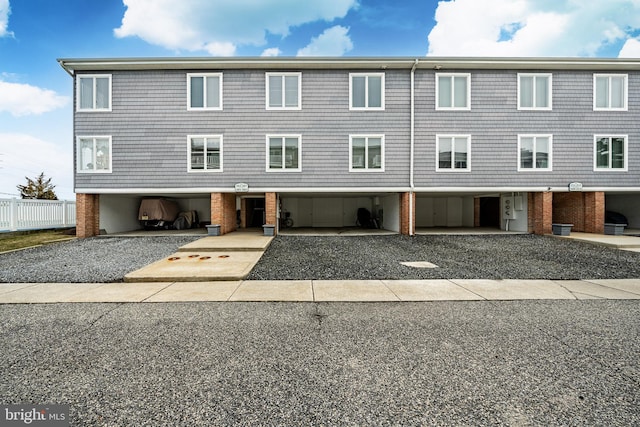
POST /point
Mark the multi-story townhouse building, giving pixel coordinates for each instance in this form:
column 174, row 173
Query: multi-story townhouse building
column 514, row 144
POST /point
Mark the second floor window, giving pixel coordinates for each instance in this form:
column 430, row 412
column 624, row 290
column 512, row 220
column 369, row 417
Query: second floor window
column 534, row 152
column 94, row 154
column 205, row 91
column 284, row 91
column 366, row 91
column 453, row 152
column 453, row 91
column 610, row 92
column 610, row 153
column 534, row 91
column 205, row 153
column 94, row 93
column 366, row 153
column 283, row 153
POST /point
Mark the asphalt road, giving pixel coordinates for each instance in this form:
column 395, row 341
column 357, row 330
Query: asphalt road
column 442, row 363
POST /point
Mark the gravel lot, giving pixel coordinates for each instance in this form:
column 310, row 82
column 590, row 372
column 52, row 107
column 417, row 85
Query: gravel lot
column 338, row 257
column 93, row 260
column 457, row 257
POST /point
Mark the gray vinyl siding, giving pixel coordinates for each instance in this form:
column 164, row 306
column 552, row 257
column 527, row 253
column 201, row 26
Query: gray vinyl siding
column 149, row 125
column 494, row 123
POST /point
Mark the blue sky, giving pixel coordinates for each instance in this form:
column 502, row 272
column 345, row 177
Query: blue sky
column 36, row 94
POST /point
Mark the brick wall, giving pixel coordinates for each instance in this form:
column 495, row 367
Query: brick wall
column 476, row 211
column 540, row 210
column 584, row 210
column 404, row 213
column 223, row 211
column 87, row 215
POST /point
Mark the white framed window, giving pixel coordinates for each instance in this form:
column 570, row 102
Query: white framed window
column 93, row 154
column 366, row 91
column 284, row 153
column 453, row 91
column 284, row 91
column 534, row 91
column 453, row 153
column 204, row 91
column 610, row 153
column 366, row 153
column 93, row 92
column 534, row 152
column 205, row 153
column 610, row 92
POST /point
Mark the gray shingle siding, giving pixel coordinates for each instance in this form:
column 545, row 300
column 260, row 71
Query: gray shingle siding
column 149, row 124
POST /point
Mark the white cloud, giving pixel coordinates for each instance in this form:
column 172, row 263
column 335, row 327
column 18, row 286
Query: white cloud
column 219, row 26
column 631, row 49
column 5, row 10
column 24, row 155
column 530, row 27
column 272, row 51
column 334, row 41
column 21, row 99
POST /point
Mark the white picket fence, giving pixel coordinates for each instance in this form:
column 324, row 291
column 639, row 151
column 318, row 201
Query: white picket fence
column 29, row 214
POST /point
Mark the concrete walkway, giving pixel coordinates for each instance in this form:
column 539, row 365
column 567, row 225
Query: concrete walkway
column 320, row 291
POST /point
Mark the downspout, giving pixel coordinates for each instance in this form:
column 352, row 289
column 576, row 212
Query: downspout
column 412, row 140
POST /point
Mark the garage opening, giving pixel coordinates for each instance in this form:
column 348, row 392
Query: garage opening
column 490, row 212
column 254, row 212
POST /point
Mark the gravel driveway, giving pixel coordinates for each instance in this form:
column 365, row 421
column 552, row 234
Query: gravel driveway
column 338, row 257
column 457, row 257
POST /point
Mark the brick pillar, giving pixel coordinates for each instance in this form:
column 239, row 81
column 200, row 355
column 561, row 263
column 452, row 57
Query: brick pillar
column 223, row 211
column 404, row 213
column 243, row 213
column 594, row 212
column 87, row 215
column 541, row 211
column 271, row 208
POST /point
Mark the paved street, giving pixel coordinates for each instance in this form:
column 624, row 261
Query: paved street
column 563, row 362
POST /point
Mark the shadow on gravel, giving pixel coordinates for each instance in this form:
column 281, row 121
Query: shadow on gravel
column 457, row 257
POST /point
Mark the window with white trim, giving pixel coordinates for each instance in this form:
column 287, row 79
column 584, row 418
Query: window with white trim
column 534, row 91
column 284, row 91
column 366, row 153
column 610, row 92
column 204, row 91
column 534, row 152
column 610, row 153
column 453, row 91
column 94, row 154
column 284, row 153
column 366, row 91
column 453, row 153
column 94, row 92
column 205, row 153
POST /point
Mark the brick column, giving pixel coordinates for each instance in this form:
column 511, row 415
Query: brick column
column 541, row 212
column 271, row 208
column 594, row 212
column 223, row 211
column 404, row 213
column 243, row 213
column 87, row 215
column 476, row 211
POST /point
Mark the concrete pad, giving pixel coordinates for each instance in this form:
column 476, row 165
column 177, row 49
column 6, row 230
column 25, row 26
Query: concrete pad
column 273, row 290
column 352, row 290
column 195, row 291
column 620, row 242
column 515, row 289
column 584, row 289
column 429, row 290
column 628, row 285
column 10, row 287
column 236, row 241
column 419, row 264
column 197, row 267
column 38, row 293
column 119, row 292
